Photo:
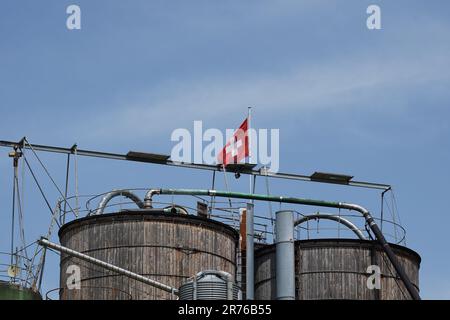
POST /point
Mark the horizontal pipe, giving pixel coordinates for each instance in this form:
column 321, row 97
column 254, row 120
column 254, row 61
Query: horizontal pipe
column 45, row 243
column 251, row 196
column 310, row 202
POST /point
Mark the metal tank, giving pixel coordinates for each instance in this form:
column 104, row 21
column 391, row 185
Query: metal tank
column 166, row 247
column 337, row 269
column 210, row 285
column 12, row 291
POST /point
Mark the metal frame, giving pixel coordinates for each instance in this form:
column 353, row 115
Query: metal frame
column 159, row 159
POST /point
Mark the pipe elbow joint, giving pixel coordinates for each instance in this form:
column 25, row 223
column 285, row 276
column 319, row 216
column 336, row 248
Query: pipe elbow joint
column 148, row 197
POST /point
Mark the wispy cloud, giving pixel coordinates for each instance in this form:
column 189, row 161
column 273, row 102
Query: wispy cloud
column 338, row 84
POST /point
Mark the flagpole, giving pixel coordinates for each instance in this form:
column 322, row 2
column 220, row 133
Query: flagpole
column 249, row 232
column 249, row 134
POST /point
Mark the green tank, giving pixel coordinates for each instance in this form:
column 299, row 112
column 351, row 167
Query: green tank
column 11, row 291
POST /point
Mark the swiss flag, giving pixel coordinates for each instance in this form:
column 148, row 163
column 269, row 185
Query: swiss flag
column 236, row 148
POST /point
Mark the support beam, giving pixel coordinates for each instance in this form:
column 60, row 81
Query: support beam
column 159, row 159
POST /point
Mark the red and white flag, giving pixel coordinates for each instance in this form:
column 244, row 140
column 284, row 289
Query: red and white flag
column 237, row 148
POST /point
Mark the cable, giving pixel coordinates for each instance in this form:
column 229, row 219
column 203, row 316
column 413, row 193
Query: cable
column 41, row 264
column 38, row 185
column 47, row 172
column 395, row 208
column 21, row 225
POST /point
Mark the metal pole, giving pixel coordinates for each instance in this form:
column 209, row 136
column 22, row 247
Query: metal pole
column 250, row 264
column 45, row 243
column 13, row 213
column 66, row 189
column 382, row 207
column 285, row 256
column 211, row 207
column 116, row 156
column 249, row 143
column 15, row 155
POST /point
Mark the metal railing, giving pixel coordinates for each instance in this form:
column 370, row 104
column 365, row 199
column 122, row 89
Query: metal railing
column 20, row 272
column 112, row 293
column 227, row 212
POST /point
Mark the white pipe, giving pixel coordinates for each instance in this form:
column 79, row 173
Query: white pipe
column 126, row 193
column 285, row 255
column 338, row 219
column 250, row 254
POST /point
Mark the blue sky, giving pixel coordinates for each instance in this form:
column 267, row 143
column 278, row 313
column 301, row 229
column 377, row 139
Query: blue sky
column 374, row 104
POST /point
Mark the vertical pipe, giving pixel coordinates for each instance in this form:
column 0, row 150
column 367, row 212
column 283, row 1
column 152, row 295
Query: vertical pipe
column 66, row 189
column 382, row 207
column 211, row 207
column 250, row 269
column 15, row 165
column 75, row 150
column 241, row 246
column 285, row 268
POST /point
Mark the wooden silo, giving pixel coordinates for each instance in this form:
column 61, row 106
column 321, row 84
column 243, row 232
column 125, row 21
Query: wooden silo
column 169, row 248
column 337, row 269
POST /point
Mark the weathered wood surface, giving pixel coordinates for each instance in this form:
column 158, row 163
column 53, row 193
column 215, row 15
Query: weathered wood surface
column 337, row 270
column 167, row 248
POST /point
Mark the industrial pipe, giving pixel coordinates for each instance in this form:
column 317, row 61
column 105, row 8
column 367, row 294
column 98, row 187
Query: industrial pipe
column 342, row 205
column 148, row 197
column 250, row 254
column 110, row 195
column 285, row 255
column 385, row 245
column 45, row 243
column 332, row 217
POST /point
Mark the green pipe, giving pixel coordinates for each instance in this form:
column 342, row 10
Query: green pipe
column 309, row 202
column 250, row 196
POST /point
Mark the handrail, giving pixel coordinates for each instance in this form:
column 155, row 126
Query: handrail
column 90, row 210
column 47, row 297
